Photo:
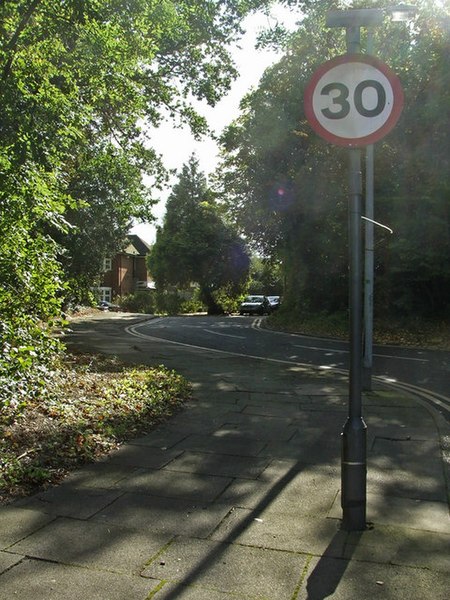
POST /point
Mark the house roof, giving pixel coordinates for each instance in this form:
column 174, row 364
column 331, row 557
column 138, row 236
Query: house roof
column 137, row 245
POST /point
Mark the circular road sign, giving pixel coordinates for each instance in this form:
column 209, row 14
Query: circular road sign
column 353, row 100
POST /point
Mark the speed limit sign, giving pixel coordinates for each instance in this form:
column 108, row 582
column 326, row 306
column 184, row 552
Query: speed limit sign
column 353, row 100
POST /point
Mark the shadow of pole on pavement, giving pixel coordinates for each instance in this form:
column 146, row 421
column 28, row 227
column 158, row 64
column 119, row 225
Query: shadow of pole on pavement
column 215, row 555
column 331, row 567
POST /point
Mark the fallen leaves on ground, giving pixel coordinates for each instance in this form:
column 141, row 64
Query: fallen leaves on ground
column 96, row 403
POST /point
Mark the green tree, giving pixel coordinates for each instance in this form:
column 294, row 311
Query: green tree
column 265, row 277
column 107, row 183
column 281, row 185
column 81, row 85
column 414, row 197
column 286, row 189
column 195, row 245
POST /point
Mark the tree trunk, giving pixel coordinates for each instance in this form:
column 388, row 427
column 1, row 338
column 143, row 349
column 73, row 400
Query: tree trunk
column 207, row 298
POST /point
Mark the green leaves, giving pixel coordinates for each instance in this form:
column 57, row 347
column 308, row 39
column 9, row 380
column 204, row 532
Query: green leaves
column 80, row 84
column 286, row 189
column 195, row 245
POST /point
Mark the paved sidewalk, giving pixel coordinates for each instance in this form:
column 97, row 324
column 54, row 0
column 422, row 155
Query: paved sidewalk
column 237, row 497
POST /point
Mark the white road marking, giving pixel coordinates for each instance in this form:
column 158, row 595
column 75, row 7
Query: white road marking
column 240, row 337
column 337, row 351
column 131, row 329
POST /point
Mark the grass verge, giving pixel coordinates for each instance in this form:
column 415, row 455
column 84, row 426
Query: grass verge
column 96, row 403
column 414, row 333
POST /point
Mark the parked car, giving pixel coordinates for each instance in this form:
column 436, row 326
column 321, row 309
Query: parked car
column 104, row 305
column 274, row 302
column 255, row 305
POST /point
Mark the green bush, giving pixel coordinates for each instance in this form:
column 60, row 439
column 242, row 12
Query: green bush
column 176, row 302
column 191, row 305
column 139, row 302
column 168, row 302
column 27, row 355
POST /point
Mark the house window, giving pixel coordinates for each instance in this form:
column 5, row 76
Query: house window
column 107, row 264
column 104, row 294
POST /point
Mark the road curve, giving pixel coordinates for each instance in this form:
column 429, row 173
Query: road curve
column 418, row 371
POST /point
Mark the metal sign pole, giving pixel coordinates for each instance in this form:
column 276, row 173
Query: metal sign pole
column 353, row 463
column 338, row 109
column 369, row 255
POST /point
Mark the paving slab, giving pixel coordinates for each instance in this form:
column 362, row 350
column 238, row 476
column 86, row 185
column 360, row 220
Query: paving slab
column 405, row 444
column 69, row 501
column 164, row 515
column 207, row 463
column 142, row 456
column 100, row 475
column 285, row 482
column 162, row 438
column 350, row 579
column 401, row 546
column 92, row 544
column 317, row 451
column 407, row 484
column 35, row 579
column 278, row 531
column 166, row 590
column 262, row 432
column 403, row 416
column 229, row 568
column 180, row 485
column 394, row 510
column 7, row 560
column 16, row 523
column 221, row 444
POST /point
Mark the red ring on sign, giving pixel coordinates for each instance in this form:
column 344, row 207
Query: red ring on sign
column 374, row 136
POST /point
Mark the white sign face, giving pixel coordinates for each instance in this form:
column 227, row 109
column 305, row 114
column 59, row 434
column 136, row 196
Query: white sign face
column 353, row 100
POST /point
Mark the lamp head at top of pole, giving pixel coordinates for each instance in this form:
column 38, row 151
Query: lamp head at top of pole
column 369, row 17
column 355, row 17
column 402, row 12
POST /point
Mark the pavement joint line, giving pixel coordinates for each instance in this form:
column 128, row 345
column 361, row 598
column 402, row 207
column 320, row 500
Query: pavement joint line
column 302, row 578
column 91, row 517
column 7, row 549
column 161, row 551
column 156, row 589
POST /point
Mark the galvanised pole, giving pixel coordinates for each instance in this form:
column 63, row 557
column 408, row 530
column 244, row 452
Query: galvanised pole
column 353, row 463
column 369, row 255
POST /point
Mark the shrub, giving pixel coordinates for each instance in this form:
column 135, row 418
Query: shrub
column 140, row 302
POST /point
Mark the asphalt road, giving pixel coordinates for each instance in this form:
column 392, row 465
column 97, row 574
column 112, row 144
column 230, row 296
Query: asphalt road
column 420, row 370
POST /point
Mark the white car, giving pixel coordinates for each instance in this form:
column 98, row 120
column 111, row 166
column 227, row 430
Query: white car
column 255, row 305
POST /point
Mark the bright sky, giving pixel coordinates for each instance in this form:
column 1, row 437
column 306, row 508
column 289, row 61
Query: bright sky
column 177, row 145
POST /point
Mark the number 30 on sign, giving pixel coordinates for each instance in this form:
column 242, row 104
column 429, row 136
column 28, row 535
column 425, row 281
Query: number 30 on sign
column 353, row 100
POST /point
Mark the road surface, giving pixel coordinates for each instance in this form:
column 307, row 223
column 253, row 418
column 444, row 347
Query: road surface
column 418, row 370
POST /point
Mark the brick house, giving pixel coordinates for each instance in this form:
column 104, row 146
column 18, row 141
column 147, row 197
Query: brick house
column 126, row 272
